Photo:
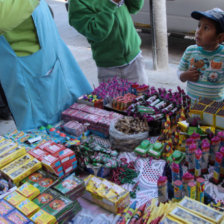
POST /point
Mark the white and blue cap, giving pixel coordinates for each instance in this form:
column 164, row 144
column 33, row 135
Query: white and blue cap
column 215, row 14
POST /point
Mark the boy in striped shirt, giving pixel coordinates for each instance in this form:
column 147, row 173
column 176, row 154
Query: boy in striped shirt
column 202, row 65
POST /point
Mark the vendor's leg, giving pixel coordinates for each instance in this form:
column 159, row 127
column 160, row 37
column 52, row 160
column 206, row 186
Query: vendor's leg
column 135, row 72
column 105, row 74
column 4, row 109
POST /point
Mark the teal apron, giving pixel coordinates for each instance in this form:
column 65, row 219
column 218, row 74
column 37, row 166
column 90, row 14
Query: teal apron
column 40, row 86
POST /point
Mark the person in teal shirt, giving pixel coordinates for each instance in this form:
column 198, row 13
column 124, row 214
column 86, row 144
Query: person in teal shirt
column 38, row 73
column 202, row 64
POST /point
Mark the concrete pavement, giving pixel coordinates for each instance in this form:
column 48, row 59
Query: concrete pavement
column 82, row 53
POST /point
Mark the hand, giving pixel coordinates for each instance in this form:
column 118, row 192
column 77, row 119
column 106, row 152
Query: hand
column 190, row 75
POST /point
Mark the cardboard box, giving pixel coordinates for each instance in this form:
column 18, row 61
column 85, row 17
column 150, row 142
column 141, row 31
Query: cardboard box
column 43, row 217
column 28, row 190
column 14, row 198
column 46, row 197
column 27, row 207
column 201, row 209
column 11, row 155
column 5, row 207
column 25, row 171
column 16, row 217
column 16, row 164
column 94, row 194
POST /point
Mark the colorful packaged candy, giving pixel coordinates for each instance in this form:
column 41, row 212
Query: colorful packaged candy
column 143, row 148
column 28, row 190
column 106, row 194
column 71, row 186
column 202, row 210
column 16, row 164
column 5, row 207
column 27, row 207
column 58, row 206
column 16, row 217
column 46, row 197
column 4, row 221
column 185, row 216
column 14, row 198
column 11, row 155
column 41, row 180
column 25, row 171
column 43, row 217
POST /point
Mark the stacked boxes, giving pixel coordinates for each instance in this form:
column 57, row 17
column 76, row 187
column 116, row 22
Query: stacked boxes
column 56, row 158
column 21, row 168
column 210, row 112
column 106, row 194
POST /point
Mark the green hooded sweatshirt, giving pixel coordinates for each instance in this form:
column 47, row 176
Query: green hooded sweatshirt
column 108, row 28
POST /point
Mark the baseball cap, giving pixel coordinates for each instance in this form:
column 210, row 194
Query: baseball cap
column 215, row 14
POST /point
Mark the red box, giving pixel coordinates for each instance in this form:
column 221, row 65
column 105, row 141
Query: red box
column 51, row 161
column 54, row 149
column 45, row 144
column 66, row 155
column 68, row 163
column 38, row 153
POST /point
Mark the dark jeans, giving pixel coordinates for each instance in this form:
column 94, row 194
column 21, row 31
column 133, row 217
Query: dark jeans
column 4, row 109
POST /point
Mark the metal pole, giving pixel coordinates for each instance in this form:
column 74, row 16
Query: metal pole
column 159, row 33
column 154, row 54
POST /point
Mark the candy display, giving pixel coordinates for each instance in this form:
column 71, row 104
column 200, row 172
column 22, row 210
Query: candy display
column 41, row 179
column 127, row 133
column 43, row 217
column 72, row 186
column 128, row 152
column 106, row 194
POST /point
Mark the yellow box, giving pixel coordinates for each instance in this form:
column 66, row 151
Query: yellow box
column 27, row 207
column 7, row 148
column 25, row 170
column 183, row 125
column 5, row 142
column 187, row 217
column 14, row 198
column 43, row 217
column 11, row 155
column 16, row 164
column 201, row 209
column 94, row 192
column 2, row 138
column 170, row 220
column 28, row 190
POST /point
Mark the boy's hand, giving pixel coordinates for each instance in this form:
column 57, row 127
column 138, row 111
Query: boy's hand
column 191, row 75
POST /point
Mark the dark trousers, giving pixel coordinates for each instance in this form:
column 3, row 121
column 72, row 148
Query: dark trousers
column 4, row 109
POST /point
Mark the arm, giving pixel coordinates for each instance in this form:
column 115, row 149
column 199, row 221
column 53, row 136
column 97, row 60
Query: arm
column 185, row 71
column 192, row 74
column 14, row 12
column 134, row 5
column 95, row 26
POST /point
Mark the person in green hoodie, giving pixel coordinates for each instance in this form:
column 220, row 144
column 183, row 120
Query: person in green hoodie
column 115, row 43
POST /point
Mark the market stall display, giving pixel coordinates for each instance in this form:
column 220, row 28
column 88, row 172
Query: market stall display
column 134, row 153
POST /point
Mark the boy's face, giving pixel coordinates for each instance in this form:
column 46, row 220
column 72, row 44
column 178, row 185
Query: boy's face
column 206, row 35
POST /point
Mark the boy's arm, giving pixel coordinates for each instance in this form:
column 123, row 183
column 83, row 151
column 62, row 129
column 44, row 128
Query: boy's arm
column 95, row 26
column 14, row 12
column 134, row 5
column 185, row 72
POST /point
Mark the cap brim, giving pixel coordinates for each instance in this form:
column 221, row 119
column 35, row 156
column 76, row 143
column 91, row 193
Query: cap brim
column 197, row 15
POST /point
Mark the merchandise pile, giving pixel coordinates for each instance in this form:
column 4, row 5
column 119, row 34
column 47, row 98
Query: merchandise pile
column 126, row 153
